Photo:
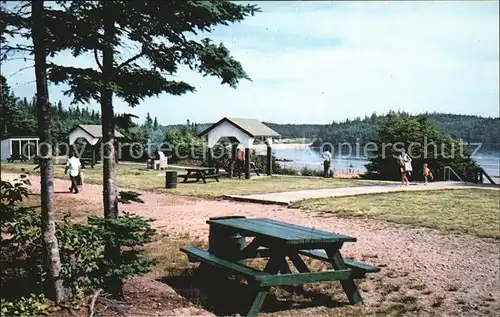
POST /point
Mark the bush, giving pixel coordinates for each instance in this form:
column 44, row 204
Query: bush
column 306, row 171
column 81, row 249
column 424, row 143
column 33, row 305
column 289, row 171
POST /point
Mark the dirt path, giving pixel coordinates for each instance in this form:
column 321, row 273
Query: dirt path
column 449, row 274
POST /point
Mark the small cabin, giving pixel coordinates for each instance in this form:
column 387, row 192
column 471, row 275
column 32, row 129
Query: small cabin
column 19, row 147
column 89, row 136
column 242, row 131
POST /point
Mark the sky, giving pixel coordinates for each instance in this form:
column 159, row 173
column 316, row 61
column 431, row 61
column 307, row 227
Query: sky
column 318, row 62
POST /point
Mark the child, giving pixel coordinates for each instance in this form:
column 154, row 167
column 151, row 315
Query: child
column 427, row 174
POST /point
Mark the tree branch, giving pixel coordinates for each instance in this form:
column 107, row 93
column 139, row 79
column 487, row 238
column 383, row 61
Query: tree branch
column 97, row 59
column 130, row 60
column 20, row 70
column 92, row 302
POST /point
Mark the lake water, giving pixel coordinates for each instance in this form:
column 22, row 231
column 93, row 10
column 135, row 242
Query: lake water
column 311, row 158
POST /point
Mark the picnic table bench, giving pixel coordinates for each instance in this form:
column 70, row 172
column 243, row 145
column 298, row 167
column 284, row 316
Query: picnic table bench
column 202, row 173
column 87, row 161
column 20, row 158
column 277, row 241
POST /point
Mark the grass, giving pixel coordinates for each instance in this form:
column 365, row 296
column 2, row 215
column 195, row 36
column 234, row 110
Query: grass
column 136, row 176
column 472, row 211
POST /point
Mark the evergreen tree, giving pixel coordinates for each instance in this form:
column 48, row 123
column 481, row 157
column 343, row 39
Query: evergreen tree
column 155, row 124
column 52, row 260
column 149, row 122
column 160, row 29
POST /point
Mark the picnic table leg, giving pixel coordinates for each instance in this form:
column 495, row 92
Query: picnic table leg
column 298, row 262
column 201, row 174
column 186, row 177
column 350, row 288
column 260, row 296
column 274, row 265
column 277, row 263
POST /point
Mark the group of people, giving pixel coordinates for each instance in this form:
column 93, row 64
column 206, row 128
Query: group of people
column 402, row 158
column 405, row 166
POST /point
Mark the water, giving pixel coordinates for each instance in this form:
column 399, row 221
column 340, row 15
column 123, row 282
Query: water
column 311, row 158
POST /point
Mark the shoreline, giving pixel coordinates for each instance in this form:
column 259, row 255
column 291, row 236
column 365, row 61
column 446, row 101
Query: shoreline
column 262, row 148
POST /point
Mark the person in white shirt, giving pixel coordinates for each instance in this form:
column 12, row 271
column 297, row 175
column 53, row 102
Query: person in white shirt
column 327, row 163
column 73, row 166
column 404, row 161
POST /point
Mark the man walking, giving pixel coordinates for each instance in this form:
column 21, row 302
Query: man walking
column 73, row 166
column 327, row 163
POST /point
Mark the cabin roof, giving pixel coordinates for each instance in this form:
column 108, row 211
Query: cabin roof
column 252, row 127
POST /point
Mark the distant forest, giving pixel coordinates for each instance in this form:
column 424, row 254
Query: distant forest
column 473, row 129
column 18, row 118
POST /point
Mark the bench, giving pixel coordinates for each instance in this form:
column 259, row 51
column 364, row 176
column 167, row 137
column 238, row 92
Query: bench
column 86, row 161
column 359, row 269
column 264, row 279
column 198, row 255
column 13, row 158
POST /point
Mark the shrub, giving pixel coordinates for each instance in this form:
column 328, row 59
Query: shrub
column 33, row 305
column 424, row 143
column 81, row 249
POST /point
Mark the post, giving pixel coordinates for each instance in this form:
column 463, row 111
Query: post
column 93, row 155
column 210, row 155
column 269, row 160
column 234, row 146
column 234, row 165
column 247, row 163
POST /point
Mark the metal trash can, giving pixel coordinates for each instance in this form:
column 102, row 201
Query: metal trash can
column 226, row 243
column 171, row 179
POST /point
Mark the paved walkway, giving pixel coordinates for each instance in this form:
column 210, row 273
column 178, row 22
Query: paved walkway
column 286, row 198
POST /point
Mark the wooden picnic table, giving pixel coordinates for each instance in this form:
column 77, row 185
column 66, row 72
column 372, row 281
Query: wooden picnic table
column 20, row 158
column 278, row 241
column 202, row 173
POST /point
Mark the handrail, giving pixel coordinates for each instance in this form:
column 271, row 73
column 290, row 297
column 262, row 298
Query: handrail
column 483, row 172
column 450, row 170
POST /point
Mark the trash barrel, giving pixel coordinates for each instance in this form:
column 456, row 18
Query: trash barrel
column 225, row 242
column 171, row 179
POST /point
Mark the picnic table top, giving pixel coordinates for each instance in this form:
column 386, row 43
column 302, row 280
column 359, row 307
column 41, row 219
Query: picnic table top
column 277, row 230
column 199, row 168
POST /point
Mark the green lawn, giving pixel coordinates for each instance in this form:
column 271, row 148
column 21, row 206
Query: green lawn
column 474, row 211
column 136, row 176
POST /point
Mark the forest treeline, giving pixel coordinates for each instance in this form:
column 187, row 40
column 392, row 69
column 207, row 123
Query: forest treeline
column 469, row 128
column 19, row 119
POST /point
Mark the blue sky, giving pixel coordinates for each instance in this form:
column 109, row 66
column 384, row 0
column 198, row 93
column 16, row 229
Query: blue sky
column 316, row 62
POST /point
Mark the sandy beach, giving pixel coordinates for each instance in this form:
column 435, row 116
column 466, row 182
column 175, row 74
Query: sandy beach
column 261, row 148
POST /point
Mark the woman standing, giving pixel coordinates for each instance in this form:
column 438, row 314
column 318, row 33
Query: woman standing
column 405, row 166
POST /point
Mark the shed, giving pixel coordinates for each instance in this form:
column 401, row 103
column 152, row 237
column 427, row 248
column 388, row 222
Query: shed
column 92, row 133
column 245, row 131
column 20, row 146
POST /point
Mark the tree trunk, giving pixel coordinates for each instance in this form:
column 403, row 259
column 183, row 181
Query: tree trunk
column 52, row 259
column 110, row 195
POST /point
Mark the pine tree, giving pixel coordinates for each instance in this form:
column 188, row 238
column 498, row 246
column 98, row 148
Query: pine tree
column 51, row 246
column 160, row 29
column 155, row 124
